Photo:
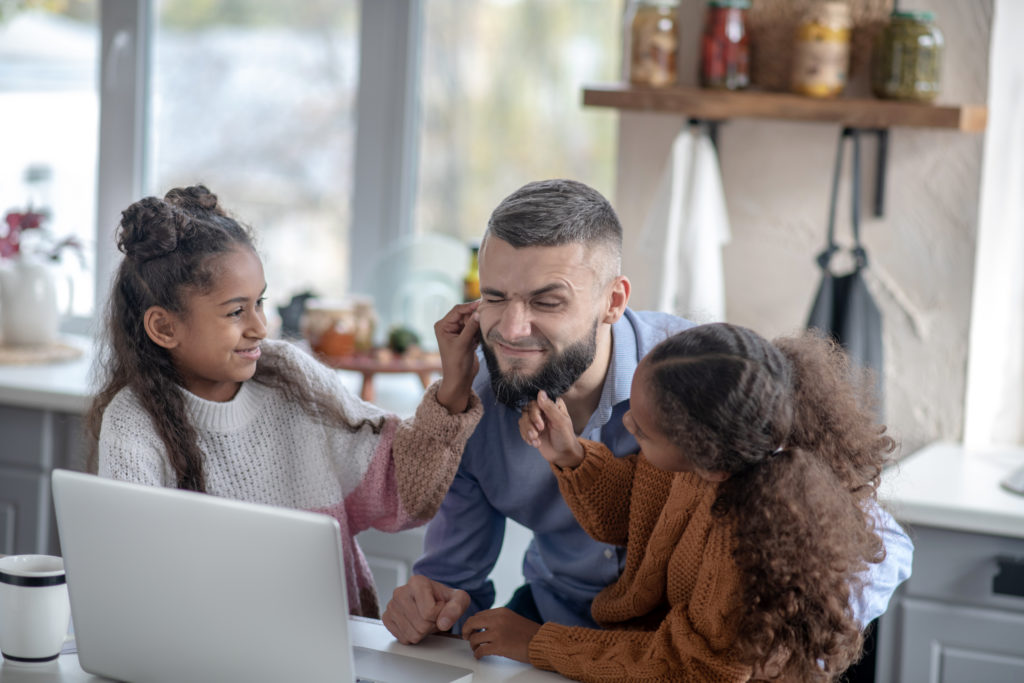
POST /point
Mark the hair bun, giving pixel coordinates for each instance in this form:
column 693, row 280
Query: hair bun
column 149, row 229
column 194, row 199
column 153, row 227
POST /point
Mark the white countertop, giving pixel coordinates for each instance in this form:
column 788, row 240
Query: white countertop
column 61, row 386
column 65, row 386
column 949, row 486
column 369, row 633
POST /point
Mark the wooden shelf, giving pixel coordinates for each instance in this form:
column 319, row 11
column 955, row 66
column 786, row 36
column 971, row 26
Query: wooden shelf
column 721, row 104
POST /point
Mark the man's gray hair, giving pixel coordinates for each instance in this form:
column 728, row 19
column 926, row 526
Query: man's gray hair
column 550, row 213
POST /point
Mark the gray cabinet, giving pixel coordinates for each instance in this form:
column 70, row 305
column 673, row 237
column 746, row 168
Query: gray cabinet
column 32, row 443
column 960, row 617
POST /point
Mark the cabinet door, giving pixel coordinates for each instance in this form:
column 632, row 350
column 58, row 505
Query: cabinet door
column 945, row 643
column 967, row 665
column 24, row 512
column 24, row 441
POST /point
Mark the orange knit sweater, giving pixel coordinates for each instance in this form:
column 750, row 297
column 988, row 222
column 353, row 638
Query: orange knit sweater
column 667, row 618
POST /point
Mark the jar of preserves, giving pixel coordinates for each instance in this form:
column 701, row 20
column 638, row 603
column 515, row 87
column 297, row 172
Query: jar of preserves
column 654, row 43
column 725, row 46
column 821, row 52
column 907, row 61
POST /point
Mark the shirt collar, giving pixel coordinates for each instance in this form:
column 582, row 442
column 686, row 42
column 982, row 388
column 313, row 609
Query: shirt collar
column 624, row 359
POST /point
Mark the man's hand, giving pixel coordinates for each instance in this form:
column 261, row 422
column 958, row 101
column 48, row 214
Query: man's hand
column 458, row 334
column 546, row 425
column 422, row 607
column 500, row 632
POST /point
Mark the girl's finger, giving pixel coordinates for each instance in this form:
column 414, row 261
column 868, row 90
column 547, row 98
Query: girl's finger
column 470, row 326
column 549, row 407
column 536, row 417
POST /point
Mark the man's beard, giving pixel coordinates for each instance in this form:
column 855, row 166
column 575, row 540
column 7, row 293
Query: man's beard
column 555, row 377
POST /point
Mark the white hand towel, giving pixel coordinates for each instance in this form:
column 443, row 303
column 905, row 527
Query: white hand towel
column 686, row 227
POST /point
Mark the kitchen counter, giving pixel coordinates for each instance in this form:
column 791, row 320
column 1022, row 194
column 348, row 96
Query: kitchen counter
column 960, row 616
column 949, row 486
column 60, row 386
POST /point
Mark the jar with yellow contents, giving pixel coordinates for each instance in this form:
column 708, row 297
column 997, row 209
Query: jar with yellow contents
column 821, row 53
column 654, row 43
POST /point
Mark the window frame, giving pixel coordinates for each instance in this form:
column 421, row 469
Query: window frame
column 384, row 178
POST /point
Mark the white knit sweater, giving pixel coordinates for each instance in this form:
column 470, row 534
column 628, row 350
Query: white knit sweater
column 260, row 448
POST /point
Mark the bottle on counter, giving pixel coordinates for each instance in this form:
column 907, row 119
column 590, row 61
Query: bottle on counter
column 907, row 59
column 364, row 324
column 654, row 43
column 725, row 46
column 471, row 282
column 821, row 52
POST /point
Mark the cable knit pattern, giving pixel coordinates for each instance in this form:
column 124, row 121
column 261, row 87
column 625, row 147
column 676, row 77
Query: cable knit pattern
column 669, row 616
column 262, row 448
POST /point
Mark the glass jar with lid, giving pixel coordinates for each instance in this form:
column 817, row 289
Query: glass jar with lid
column 907, row 60
column 654, row 43
column 725, row 46
column 821, row 52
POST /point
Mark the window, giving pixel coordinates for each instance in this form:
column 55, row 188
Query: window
column 255, row 99
column 500, row 103
column 50, row 110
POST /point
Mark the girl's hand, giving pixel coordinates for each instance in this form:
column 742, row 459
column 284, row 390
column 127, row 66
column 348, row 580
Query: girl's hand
column 458, row 334
column 546, row 425
column 500, row 632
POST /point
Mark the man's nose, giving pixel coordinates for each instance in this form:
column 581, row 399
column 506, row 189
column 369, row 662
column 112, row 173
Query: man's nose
column 515, row 322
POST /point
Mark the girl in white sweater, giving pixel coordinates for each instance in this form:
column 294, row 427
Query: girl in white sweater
column 195, row 397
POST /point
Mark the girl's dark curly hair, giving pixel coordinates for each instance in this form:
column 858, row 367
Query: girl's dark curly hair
column 793, row 425
column 172, row 248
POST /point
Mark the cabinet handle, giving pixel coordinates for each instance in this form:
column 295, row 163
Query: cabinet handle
column 1009, row 580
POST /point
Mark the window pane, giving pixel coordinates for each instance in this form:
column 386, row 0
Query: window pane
column 255, row 99
column 500, row 91
column 49, row 108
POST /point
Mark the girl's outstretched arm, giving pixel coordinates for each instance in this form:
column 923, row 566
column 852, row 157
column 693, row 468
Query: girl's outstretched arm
column 414, row 460
column 458, row 334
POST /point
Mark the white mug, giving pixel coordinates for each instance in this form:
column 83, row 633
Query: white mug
column 34, row 609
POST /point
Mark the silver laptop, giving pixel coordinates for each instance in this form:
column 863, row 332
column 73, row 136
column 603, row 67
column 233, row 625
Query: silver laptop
column 177, row 586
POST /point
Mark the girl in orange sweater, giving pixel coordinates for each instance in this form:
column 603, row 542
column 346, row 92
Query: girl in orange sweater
column 745, row 516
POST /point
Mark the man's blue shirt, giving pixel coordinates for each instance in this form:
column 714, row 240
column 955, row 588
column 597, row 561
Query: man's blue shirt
column 502, row 477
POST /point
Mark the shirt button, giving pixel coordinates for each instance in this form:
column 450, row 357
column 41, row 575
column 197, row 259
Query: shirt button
column 609, row 553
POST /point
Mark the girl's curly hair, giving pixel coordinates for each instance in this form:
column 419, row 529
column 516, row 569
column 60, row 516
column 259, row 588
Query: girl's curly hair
column 792, row 422
column 171, row 248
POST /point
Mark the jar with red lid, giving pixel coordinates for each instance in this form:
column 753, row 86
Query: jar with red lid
column 725, row 46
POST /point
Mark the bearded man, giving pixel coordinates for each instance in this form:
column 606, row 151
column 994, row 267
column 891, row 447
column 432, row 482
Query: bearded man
column 553, row 317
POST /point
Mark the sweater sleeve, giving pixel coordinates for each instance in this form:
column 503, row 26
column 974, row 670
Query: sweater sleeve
column 427, row 451
column 598, row 492
column 674, row 652
column 414, row 463
column 691, row 641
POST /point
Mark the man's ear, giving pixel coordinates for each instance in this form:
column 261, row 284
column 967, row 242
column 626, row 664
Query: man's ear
column 618, row 297
column 161, row 326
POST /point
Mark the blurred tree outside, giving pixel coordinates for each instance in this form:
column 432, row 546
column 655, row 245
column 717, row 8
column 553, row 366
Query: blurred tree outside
column 501, row 92
column 256, row 100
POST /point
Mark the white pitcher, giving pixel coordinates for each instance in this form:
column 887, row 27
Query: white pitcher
column 28, row 303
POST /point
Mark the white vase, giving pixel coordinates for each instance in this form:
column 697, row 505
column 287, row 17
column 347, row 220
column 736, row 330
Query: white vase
column 28, row 303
